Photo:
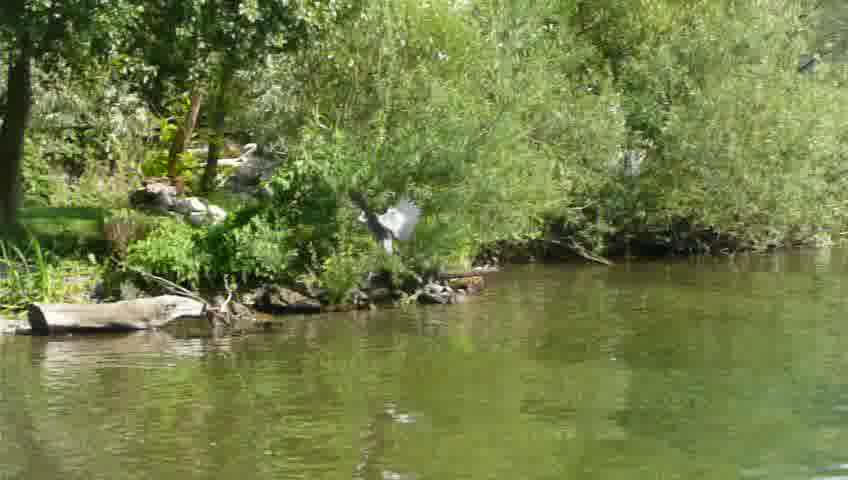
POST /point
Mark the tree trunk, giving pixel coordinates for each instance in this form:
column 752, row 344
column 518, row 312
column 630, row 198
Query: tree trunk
column 13, row 132
column 141, row 314
column 216, row 144
column 219, row 115
column 184, row 133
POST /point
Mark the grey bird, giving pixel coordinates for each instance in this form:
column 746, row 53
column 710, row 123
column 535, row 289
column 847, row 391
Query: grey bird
column 397, row 223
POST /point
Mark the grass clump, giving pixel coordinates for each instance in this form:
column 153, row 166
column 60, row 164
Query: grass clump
column 30, row 274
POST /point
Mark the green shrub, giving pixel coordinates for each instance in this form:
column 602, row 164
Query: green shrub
column 476, row 114
column 174, row 250
column 85, row 139
column 742, row 145
column 282, row 238
column 253, row 251
column 342, row 272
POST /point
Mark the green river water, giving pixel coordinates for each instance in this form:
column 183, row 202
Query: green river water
column 718, row 368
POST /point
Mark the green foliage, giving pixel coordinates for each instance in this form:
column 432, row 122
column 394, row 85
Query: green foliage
column 741, row 144
column 341, row 273
column 188, row 166
column 39, row 188
column 81, row 135
column 30, row 274
column 254, row 251
column 306, row 204
column 67, row 30
column 174, row 251
column 281, row 239
column 782, row 171
column 65, row 232
column 486, row 154
column 25, row 282
column 503, row 121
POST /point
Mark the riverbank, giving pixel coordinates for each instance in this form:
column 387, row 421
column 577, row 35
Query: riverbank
column 120, row 267
column 232, row 309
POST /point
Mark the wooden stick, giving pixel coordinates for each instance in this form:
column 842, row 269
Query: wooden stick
column 579, row 250
column 173, row 287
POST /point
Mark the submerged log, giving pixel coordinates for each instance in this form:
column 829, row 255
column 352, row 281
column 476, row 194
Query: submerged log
column 140, row 314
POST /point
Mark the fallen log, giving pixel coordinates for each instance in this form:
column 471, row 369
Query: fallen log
column 140, row 314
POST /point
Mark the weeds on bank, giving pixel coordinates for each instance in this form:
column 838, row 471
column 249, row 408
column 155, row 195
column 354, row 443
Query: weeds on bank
column 30, row 274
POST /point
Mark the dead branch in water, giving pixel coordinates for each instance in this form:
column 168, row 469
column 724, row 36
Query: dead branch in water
column 582, row 252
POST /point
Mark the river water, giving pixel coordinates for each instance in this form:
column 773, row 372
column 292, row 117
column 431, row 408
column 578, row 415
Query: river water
column 717, row 368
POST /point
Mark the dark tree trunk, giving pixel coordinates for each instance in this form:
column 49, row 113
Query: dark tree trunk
column 216, row 144
column 155, row 94
column 13, row 132
column 219, row 115
column 184, row 133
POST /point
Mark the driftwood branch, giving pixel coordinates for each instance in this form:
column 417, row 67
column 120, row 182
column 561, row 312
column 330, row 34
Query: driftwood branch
column 214, row 313
column 167, row 284
column 579, row 250
column 222, row 312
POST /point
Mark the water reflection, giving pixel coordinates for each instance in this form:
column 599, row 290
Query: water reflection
column 719, row 368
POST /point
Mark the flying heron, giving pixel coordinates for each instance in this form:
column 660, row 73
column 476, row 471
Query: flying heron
column 397, row 223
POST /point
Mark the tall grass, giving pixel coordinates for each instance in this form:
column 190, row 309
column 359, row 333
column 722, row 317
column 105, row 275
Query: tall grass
column 29, row 274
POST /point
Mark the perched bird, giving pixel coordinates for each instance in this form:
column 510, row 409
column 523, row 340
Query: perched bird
column 397, row 223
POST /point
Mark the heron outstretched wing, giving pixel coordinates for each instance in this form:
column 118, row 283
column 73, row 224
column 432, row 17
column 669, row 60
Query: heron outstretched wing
column 401, row 219
column 248, row 149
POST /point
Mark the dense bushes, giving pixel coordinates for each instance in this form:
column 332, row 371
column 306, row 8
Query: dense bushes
column 744, row 146
column 86, row 142
column 174, row 250
column 503, row 121
column 482, row 117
